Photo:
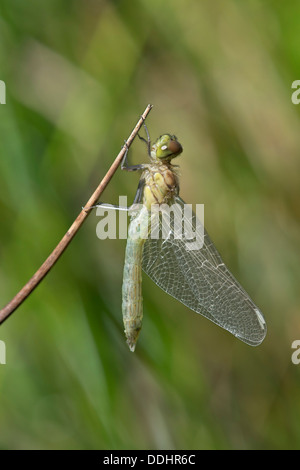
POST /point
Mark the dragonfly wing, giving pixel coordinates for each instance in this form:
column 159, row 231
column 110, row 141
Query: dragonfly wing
column 200, row 280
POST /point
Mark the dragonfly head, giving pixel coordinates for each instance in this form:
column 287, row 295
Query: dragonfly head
column 165, row 148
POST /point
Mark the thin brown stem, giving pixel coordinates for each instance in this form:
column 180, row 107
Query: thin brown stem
column 62, row 245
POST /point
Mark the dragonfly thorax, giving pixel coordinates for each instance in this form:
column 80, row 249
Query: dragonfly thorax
column 161, row 184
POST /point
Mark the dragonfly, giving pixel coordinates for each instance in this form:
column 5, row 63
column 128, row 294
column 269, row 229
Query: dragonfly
column 199, row 277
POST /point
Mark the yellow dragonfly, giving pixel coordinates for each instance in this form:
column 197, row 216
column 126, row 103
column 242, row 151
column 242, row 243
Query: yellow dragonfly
column 196, row 277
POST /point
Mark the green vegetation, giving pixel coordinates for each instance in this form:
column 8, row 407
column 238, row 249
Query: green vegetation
column 78, row 74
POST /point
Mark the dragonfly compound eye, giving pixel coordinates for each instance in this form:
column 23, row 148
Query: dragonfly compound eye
column 175, row 147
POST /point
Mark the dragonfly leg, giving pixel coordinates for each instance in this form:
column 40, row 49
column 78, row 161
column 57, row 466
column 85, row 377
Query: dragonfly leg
column 106, row 206
column 137, row 200
column 140, row 191
column 124, row 164
column 148, row 141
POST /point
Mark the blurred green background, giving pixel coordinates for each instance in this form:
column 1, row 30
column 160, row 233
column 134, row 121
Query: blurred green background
column 78, row 74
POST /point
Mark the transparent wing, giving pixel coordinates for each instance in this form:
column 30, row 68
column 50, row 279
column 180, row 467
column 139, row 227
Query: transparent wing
column 200, row 280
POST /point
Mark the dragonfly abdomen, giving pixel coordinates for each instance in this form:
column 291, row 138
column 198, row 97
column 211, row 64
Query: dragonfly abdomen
column 160, row 185
column 132, row 299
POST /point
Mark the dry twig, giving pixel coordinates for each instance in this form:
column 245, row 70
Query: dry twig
column 62, row 245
